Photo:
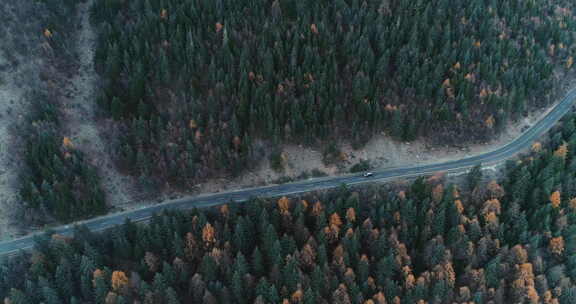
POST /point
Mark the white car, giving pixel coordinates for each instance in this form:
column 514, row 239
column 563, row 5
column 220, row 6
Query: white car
column 368, row 174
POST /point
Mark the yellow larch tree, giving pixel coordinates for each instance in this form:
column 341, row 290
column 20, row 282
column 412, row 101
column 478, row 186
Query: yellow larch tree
column 520, row 254
column 532, row 295
column 119, row 280
column 562, row 151
column 572, row 203
column 351, row 215
column 308, row 255
column 555, row 199
column 284, row 205
column 66, row 142
column 208, row 235
column 489, row 123
column 335, row 223
column 492, row 205
column 459, row 207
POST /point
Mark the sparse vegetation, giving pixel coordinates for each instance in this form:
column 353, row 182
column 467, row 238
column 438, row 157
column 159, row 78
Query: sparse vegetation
column 58, row 30
column 304, row 175
column 277, row 160
column 317, row 173
column 57, row 182
column 331, row 154
column 362, row 165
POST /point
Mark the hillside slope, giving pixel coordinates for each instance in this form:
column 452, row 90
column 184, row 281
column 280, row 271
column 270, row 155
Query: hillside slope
column 194, row 86
column 506, row 241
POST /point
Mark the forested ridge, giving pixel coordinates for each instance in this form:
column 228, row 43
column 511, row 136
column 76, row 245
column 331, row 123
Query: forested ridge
column 192, row 84
column 507, row 241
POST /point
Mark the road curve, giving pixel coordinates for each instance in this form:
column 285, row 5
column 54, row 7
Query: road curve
column 208, row 200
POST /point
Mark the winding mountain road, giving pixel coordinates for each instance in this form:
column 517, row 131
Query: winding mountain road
column 208, row 200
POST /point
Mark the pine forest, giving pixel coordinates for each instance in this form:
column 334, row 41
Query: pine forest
column 193, row 84
column 501, row 241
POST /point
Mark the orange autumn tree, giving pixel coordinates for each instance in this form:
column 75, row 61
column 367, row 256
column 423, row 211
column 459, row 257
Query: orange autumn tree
column 555, row 199
column 208, row 235
column 67, row 142
column 572, row 203
column 297, row 296
column 284, row 205
column 492, row 205
column 489, row 123
column 308, row 256
column 333, row 229
column 119, row 280
column 335, row 220
column 351, row 215
column 562, row 151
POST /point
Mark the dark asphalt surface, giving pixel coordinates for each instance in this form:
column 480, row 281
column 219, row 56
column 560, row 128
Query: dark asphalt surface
column 202, row 201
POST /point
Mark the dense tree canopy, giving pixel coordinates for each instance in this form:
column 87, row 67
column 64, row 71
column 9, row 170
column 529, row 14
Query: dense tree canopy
column 57, row 181
column 192, row 83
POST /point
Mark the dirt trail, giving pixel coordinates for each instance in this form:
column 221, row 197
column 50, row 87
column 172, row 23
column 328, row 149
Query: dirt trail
column 81, row 123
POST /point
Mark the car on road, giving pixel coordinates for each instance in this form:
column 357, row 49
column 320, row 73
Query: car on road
column 368, row 174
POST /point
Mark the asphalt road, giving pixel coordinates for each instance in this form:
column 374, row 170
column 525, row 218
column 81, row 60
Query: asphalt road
column 105, row 222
